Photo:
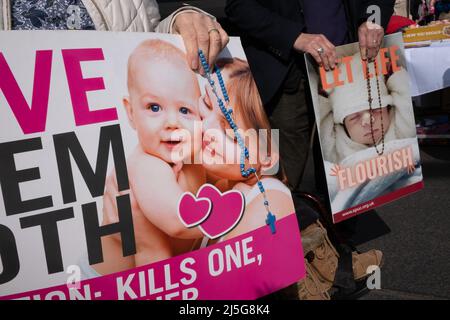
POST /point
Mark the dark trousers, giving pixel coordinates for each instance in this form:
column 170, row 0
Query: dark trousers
column 291, row 115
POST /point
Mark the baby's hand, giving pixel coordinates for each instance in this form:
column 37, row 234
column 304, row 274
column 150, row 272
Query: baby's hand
column 411, row 168
column 176, row 168
column 205, row 105
column 209, row 110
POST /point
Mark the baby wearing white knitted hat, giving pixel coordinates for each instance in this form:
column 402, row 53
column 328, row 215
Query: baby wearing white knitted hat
column 348, row 124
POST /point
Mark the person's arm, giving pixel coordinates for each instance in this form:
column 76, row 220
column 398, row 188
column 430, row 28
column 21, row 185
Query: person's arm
column 166, row 25
column 280, row 35
column 276, row 32
column 386, row 10
column 371, row 33
column 199, row 30
column 157, row 193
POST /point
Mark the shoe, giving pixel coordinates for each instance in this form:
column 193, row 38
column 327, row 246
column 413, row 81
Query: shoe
column 362, row 261
column 311, row 287
column 288, row 293
column 312, row 237
column 323, row 256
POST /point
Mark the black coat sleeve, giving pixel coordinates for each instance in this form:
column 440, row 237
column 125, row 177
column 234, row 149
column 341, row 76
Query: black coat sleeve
column 386, row 6
column 262, row 24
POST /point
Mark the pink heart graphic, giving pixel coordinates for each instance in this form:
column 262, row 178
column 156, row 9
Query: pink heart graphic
column 227, row 210
column 193, row 211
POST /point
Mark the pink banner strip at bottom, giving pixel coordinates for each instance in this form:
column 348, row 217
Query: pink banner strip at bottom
column 369, row 205
column 243, row 268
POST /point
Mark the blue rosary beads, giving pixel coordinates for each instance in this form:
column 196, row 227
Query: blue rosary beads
column 228, row 113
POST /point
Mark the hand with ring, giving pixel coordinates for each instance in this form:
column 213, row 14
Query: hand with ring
column 323, row 51
column 370, row 40
column 200, row 31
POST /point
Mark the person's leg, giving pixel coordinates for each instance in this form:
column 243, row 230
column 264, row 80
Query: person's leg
column 290, row 116
column 306, row 215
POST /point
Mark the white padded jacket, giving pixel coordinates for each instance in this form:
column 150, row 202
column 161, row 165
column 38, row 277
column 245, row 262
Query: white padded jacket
column 116, row 15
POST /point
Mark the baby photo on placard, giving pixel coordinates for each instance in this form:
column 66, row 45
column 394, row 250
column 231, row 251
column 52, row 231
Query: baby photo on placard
column 366, row 126
column 126, row 175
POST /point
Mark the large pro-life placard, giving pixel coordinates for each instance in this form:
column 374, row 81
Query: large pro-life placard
column 366, row 128
column 115, row 176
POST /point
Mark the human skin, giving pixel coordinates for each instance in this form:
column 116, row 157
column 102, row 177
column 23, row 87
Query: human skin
column 200, row 31
column 228, row 175
column 359, row 128
column 163, row 109
column 370, row 37
column 160, row 110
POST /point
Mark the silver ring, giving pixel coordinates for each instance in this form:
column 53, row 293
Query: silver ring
column 320, row 50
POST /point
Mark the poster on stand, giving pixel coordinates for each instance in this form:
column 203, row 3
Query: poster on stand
column 366, row 127
column 121, row 178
